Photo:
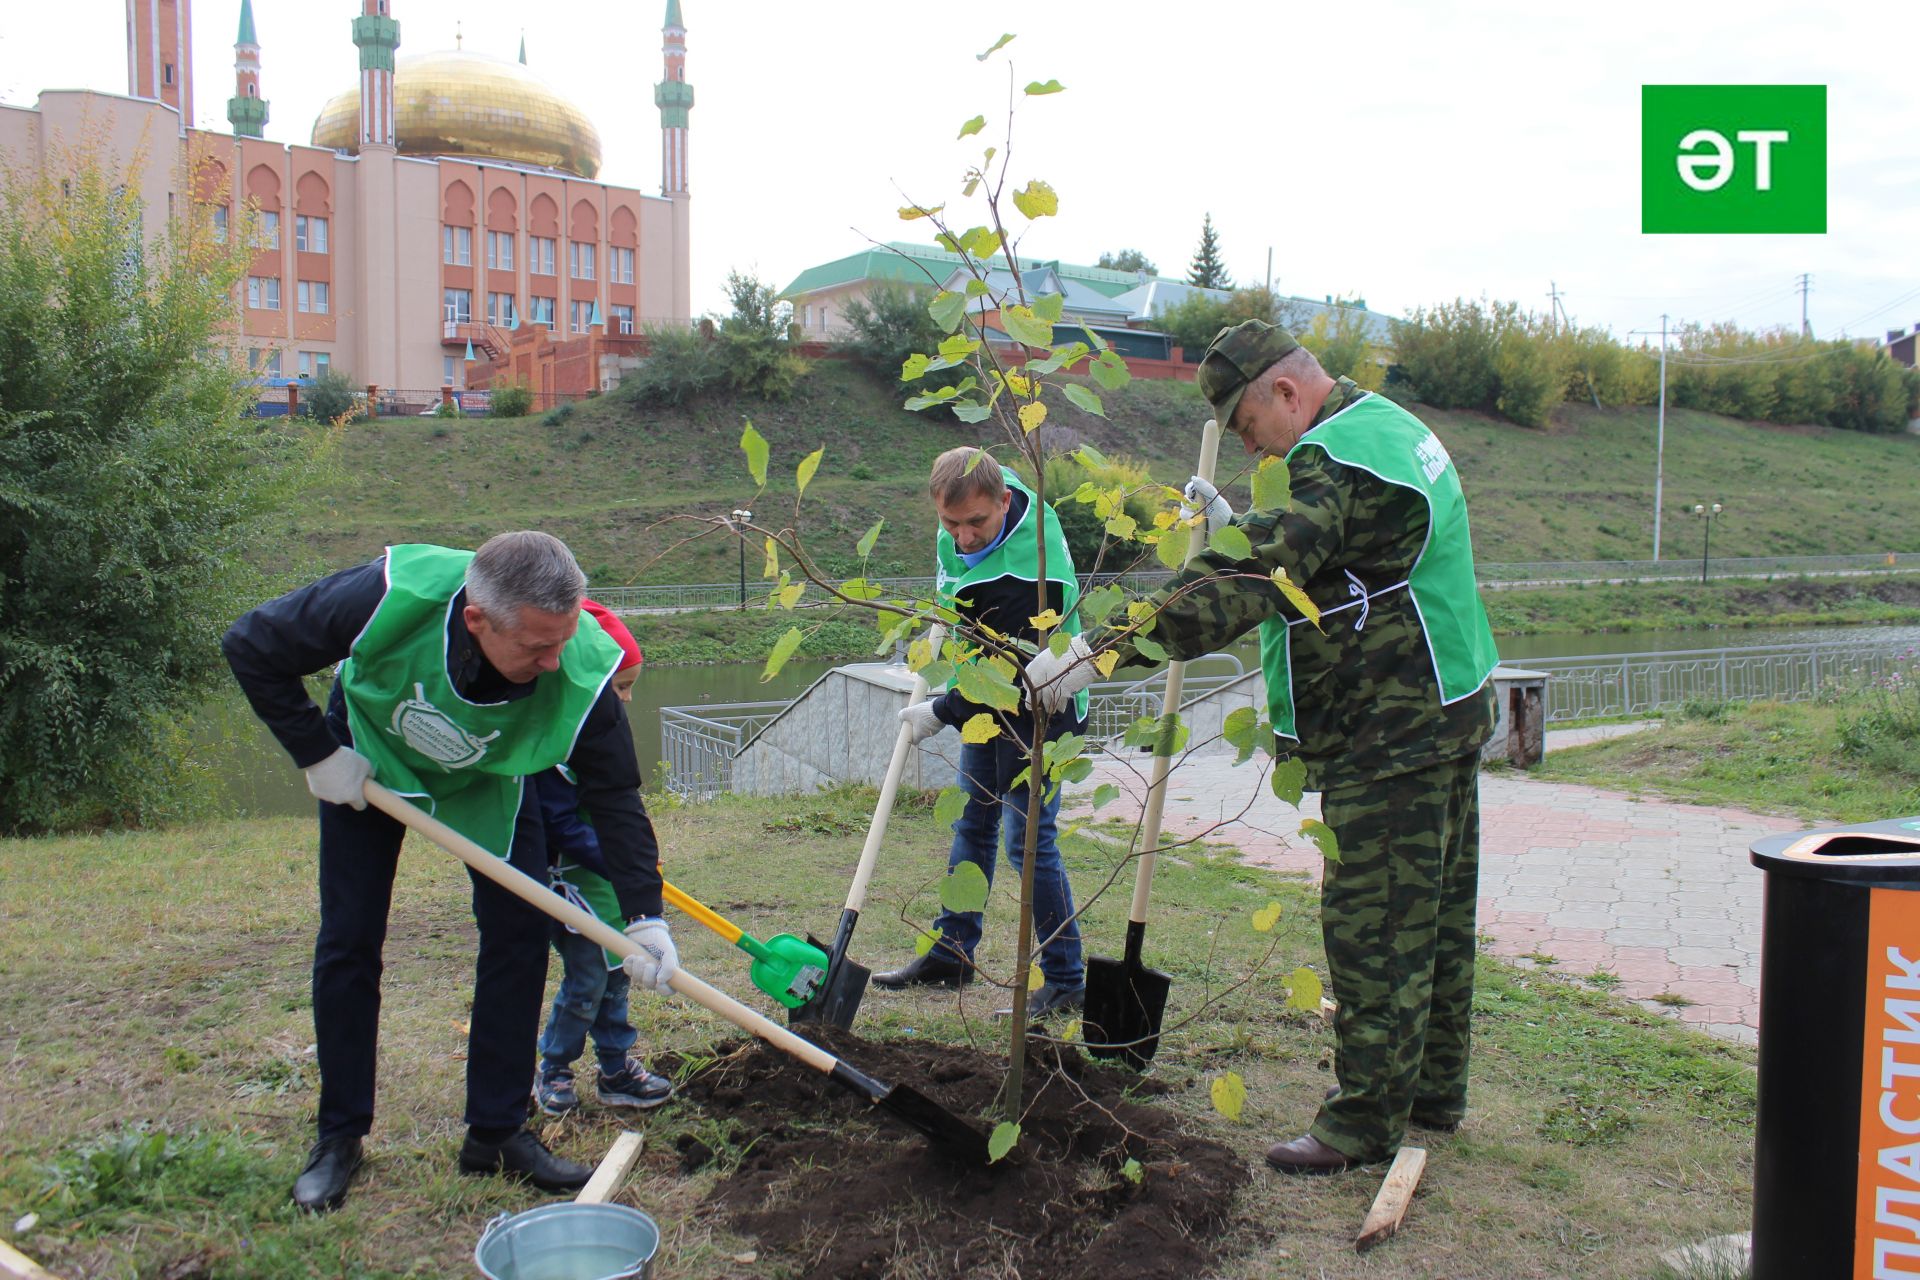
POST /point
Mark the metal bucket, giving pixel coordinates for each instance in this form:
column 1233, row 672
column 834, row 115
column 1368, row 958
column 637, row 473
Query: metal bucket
column 569, row 1241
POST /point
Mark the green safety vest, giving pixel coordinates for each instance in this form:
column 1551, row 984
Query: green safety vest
column 464, row 759
column 1016, row 557
column 1376, row 435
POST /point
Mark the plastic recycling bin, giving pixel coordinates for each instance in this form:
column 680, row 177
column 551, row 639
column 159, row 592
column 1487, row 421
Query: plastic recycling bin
column 1836, row 1181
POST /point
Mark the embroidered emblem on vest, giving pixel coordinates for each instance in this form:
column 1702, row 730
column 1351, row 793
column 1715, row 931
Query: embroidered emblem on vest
column 433, row 733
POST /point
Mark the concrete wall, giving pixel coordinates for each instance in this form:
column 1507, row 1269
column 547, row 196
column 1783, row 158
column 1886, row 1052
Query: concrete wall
column 842, row 729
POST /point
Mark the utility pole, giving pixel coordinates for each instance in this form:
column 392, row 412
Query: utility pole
column 1554, row 315
column 1660, row 442
column 1805, row 282
column 1269, row 270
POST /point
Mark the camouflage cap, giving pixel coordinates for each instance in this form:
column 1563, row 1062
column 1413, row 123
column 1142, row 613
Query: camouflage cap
column 1236, row 356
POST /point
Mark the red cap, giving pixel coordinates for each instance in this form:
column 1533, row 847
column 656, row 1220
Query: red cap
column 618, row 630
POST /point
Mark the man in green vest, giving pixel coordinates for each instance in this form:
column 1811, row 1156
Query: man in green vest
column 988, row 552
column 1386, row 702
column 460, row 675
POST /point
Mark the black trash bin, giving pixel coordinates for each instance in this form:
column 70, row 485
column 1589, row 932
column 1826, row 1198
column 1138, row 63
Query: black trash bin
column 1836, row 1180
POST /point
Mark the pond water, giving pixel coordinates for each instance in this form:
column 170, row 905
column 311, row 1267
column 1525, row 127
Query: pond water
column 262, row 780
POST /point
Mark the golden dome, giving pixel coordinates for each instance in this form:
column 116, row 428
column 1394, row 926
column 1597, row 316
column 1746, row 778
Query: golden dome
column 454, row 103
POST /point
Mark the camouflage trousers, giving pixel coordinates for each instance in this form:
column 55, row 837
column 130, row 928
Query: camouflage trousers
column 1397, row 919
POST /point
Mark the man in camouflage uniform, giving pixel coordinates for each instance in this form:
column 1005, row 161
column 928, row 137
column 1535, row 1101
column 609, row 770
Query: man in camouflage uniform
column 1387, row 706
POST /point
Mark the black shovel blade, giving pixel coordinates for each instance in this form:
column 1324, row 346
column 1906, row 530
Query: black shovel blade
column 915, row 1109
column 1126, row 1003
column 837, row 999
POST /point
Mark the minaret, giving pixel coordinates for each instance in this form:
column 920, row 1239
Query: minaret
column 378, row 36
column 246, row 109
column 160, row 54
column 674, row 97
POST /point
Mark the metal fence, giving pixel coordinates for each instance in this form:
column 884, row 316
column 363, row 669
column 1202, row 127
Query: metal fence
column 1603, row 685
column 667, row 597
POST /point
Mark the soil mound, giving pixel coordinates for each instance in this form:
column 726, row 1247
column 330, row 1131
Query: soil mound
column 841, row 1190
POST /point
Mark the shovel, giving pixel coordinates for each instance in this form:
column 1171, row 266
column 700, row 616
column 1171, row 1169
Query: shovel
column 1126, row 1001
column 785, row 967
column 907, row 1105
column 839, row 996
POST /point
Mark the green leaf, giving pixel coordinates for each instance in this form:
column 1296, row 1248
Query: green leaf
column 1170, row 735
column 1263, row 919
column 1290, row 780
column 1122, row 527
column 1037, row 200
column 958, row 347
column 971, row 411
column 782, row 650
column 1229, row 1094
column 1272, row 486
column 1110, row 371
column 1064, row 356
column 909, row 213
column 937, row 673
column 808, row 465
column 1091, row 458
column 1322, row 835
column 973, row 126
column 1076, row 770
column 987, row 686
column 949, row 805
column 1050, row 307
column 755, row 448
column 860, row 588
column 1004, row 1135
column 1023, row 326
column 994, row 48
column 981, row 242
column 1306, row 990
column 948, row 309
column 1141, row 732
column 976, row 288
column 1037, row 89
column 914, row 366
column 1104, row 793
column 923, row 942
column 1086, row 400
column 1132, row 1171
column 1238, row 727
column 1058, row 642
column 979, row 728
column 1231, row 541
column 1098, row 603
column 865, row 546
column 790, row 596
column 1172, row 548
column 1151, row 650
column 965, row 888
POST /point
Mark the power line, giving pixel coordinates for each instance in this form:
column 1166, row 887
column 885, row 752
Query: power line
column 1878, row 311
column 1805, row 281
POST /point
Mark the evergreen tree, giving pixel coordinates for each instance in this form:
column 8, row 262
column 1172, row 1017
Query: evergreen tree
column 1207, row 270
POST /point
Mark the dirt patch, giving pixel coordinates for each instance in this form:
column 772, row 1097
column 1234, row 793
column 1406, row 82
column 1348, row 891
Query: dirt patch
column 840, row 1190
column 1811, row 597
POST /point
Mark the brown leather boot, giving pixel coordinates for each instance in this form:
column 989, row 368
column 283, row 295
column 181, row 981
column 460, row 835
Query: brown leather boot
column 1307, row 1155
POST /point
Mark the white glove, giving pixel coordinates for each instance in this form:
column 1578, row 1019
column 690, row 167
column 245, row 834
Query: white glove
column 1056, row 680
column 920, row 720
column 1202, row 496
column 341, row 778
column 655, row 963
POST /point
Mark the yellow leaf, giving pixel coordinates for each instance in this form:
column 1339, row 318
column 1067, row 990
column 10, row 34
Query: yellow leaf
column 919, row 653
column 1229, row 1094
column 980, row 728
column 1106, row 662
column 1265, row 918
column 790, row 596
column 1072, row 1032
column 1018, row 384
column 1306, row 990
column 1045, row 621
column 910, row 212
column 1035, row 979
column 1298, row 598
column 1032, row 415
column 772, row 568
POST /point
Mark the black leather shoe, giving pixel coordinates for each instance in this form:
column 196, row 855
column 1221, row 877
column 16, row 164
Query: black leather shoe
column 938, row 968
column 322, row 1185
column 522, row 1156
column 1049, row 1000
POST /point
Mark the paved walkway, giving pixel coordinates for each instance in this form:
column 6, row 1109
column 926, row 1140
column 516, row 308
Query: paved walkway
column 1660, row 895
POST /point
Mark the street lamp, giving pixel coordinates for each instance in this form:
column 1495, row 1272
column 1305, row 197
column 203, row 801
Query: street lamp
column 740, row 519
column 1706, row 515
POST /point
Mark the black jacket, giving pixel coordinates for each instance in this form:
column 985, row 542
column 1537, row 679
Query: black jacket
column 272, row 648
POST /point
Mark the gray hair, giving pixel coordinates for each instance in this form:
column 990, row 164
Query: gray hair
column 1299, row 364
column 525, row 569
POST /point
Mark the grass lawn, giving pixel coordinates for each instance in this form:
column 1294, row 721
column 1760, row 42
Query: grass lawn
column 160, row 980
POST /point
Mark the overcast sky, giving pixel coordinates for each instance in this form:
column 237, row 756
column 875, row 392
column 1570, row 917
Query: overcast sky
column 1405, row 152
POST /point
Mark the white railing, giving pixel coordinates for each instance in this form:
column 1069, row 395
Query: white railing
column 1630, row 684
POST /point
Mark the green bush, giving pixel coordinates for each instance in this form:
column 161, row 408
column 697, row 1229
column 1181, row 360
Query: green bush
column 1527, row 366
column 512, row 400
column 890, row 324
column 557, row 415
column 1339, row 341
column 331, row 397
column 681, row 366
column 448, row 409
column 1450, row 355
column 1083, row 528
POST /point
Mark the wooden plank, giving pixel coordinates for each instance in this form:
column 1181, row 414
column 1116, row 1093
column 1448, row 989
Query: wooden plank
column 1396, row 1193
column 15, row 1265
column 612, row 1171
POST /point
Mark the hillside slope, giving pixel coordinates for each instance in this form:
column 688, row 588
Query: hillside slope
column 610, row 478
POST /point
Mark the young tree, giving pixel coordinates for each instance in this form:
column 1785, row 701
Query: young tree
column 1207, row 270
column 1128, row 260
column 133, row 475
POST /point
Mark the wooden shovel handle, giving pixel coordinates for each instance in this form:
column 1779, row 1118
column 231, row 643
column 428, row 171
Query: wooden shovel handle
column 524, row 886
column 1176, row 680
column 889, row 788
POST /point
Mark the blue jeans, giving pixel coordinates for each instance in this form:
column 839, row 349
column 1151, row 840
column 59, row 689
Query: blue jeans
column 592, row 998
column 985, row 770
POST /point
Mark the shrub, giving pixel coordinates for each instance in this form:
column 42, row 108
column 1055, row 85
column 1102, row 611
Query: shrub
column 1083, row 528
column 1339, row 341
column 1449, row 355
column 558, row 414
column 888, row 325
column 680, row 367
column 512, row 400
column 331, row 397
column 448, row 409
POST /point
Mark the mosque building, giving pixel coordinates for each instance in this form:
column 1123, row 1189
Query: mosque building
column 446, row 209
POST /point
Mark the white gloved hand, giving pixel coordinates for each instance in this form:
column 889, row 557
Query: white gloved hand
column 920, row 721
column 341, row 778
column 1202, row 496
column 1057, row 679
column 655, row 963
